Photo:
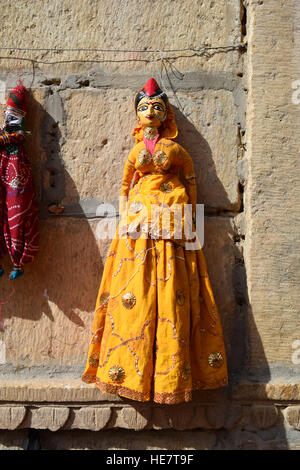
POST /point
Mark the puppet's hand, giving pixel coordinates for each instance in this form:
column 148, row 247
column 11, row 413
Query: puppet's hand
column 11, row 137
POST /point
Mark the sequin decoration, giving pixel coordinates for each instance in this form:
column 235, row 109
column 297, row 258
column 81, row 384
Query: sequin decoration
column 136, row 206
column 128, row 300
column 94, row 360
column 159, row 157
column 116, row 374
column 150, row 133
column 180, row 297
column 215, row 360
column 165, row 187
column 186, row 372
column 144, row 157
column 103, row 299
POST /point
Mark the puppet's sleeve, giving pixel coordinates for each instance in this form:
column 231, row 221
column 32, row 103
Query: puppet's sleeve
column 186, row 162
column 11, row 138
column 130, row 175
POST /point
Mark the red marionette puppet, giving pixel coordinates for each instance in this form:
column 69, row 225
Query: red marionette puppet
column 18, row 203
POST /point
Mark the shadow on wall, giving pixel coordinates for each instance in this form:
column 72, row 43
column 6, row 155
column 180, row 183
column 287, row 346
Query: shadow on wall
column 63, row 280
column 224, row 258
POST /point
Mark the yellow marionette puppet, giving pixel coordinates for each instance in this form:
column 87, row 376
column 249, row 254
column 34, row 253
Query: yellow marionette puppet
column 156, row 333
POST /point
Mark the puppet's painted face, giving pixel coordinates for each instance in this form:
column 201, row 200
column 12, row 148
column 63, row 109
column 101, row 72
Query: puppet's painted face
column 151, row 112
column 12, row 119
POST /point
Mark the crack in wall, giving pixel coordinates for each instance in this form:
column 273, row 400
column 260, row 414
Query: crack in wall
column 243, row 19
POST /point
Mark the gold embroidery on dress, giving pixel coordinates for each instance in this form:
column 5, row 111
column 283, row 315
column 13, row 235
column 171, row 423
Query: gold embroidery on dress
column 125, row 343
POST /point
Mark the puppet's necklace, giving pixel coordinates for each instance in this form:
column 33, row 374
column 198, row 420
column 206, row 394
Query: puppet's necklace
column 150, row 132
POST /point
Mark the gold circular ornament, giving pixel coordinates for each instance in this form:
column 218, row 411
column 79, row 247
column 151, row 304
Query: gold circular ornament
column 128, row 300
column 94, row 360
column 150, row 132
column 136, row 206
column 159, row 157
column 144, row 157
column 215, row 360
column 103, row 299
column 180, row 297
column 186, row 372
column 166, row 188
column 116, row 374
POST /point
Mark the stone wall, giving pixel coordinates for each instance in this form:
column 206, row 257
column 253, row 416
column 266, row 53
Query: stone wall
column 237, row 119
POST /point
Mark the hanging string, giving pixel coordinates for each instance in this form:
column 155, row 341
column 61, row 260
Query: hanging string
column 172, row 87
column 141, row 51
column 160, row 59
column 196, row 51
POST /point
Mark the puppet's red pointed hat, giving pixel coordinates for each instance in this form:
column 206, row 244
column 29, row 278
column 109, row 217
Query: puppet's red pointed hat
column 16, row 101
column 151, row 88
column 169, row 126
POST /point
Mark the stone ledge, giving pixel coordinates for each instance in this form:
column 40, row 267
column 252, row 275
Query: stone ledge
column 95, row 417
column 75, row 391
column 55, row 405
column 277, row 391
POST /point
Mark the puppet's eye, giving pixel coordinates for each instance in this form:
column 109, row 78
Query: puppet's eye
column 158, row 107
column 143, row 108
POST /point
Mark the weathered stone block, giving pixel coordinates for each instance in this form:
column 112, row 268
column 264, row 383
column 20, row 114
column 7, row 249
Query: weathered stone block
column 272, row 192
column 292, row 415
column 208, row 130
column 52, row 324
column 247, row 391
column 181, row 417
column 264, row 416
column 136, row 419
column 43, row 390
column 131, row 26
column 91, row 418
column 98, row 140
column 48, row 417
column 11, row 416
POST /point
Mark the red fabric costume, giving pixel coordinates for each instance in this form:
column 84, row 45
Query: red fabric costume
column 18, row 203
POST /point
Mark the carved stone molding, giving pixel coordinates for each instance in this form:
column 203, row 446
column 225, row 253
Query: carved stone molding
column 59, row 406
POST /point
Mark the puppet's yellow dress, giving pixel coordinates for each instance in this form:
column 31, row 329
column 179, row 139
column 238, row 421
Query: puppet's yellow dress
column 156, row 332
